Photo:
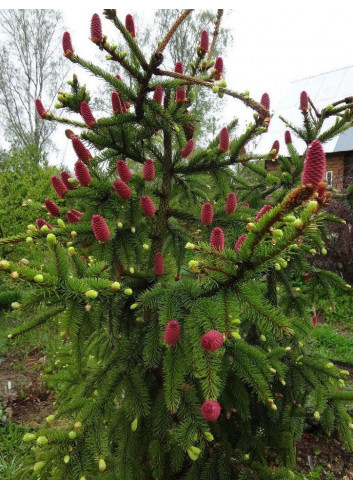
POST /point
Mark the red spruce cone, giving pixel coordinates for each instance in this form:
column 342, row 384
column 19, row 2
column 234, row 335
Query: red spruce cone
column 179, row 68
column 122, row 190
column 207, row 214
column 41, row 222
column 204, row 42
column 77, row 213
column 262, row 212
column 217, row 239
column 314, row 164
column 276, row 147
column 188, row 149
column 117, row 103
column 210, row 410
column 123, row 171
column 118, row 77
column 231, row 203
column 96, row 29
column 158, row 95
column 148, row 171
column 246, row 204
column 87, row 115
column 212, row 340
column 72, row 217
column 82, row 174
column 52, row 208
column 218, row 66
column 130, row 25
column 224, row 140
column 81, row 150
column 172, row 332
column 158, row 264
column 65, row 178
column 314, row 318
column 40, row 109
column 265, row 101
column 239, row 242
column 147, row 206
column 59, row 187
column 304, row 102
column 308, row 276
column 287, row 137
column 67, row 46
column 180, row 95
column 100, row 228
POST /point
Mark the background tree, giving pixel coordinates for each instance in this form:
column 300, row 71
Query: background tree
column 31, row 68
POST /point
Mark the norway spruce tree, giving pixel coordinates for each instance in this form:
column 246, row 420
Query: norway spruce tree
column 183, row 288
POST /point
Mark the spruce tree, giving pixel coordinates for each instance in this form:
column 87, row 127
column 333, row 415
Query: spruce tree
column 183, row 289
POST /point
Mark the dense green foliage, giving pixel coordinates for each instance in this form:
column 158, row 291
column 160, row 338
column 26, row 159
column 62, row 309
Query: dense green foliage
column 129, row 406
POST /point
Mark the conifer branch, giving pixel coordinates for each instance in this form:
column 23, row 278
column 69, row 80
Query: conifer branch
column 215, row 33
column 162, row 45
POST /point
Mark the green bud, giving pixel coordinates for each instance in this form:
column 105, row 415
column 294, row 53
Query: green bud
column 195, row 450
column 146, row 246
column 317, row 415
column 263, row 338
column 341, row 383
column 344, row 372
column 251, row 226
column 132, row 270
column 350, row 426
column 329, row 365
column 283, row 382
column 29, row 437
column 289, row 218
column 77, row 425
column 236, row 335
column 223, row 83
column 324, row 251
column 134, row 424
column 246, row 457
column 134, row 306
column 102, row 465
column 72, row 435
column 42, row 440
column 215, row 88
column 283, row 262
column 278, row 233
column 312, row 251
column 4, row 264
column 15, row 305
column 38, row 466
column 29, row 240
column 192, row 455
column 190, row 246
column 128, row 291
column 277, row 266
column 51, row 238
column 44, row 228
column 66, row 459
column 272, row 370
column 31, row 227
column 193, row 263
column 235, row 321
column 38, row 278
column 208, row 436
column 50, row 418
column 294, row 246
column 298, row 223
column 115, row 286
column 119, row 224
column 313, row 205
column 91, row 294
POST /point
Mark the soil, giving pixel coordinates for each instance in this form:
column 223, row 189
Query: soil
column 23, row 395
column 319, row 457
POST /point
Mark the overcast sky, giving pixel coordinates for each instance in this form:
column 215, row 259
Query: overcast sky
column 275, row 42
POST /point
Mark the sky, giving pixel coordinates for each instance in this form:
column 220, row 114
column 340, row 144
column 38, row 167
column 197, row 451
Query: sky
column 275, row 43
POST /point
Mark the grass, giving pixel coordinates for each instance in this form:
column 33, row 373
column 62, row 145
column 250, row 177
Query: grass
column 332, row 343
column 12, row 450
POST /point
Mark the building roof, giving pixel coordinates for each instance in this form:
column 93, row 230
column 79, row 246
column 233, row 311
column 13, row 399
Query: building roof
column 323, row 90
